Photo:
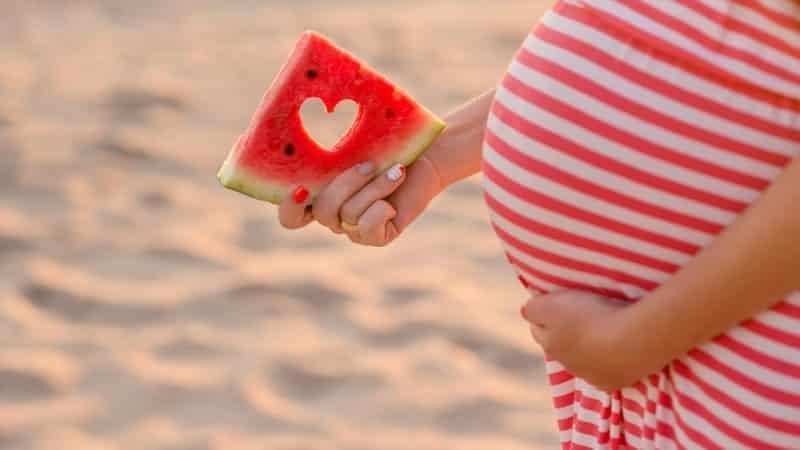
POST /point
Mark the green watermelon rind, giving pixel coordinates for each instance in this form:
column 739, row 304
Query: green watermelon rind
column 237, row 178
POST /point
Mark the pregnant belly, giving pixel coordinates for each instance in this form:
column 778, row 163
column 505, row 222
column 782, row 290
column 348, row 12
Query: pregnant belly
column 601, row 183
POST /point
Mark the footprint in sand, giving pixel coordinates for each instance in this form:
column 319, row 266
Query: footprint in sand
column 306, row 384
column 314, row 294
column 87, row 310
column 179, row 258
column 251, row 303
column 227, row 406
column 10, row 245
column 154, row 200
column 184, row 348
column 127, row 397
column 257, row 235
column 10, row 162
column 46, row 204
column 474, row 416
column 156, row 263
column 21, row 386
column 139, row 157
column 504, row 356
column 133, row 105
column 501, row 355
column 401, row 295
column 241, row 306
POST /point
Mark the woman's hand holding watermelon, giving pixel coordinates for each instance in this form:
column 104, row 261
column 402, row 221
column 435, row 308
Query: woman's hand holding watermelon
column 375, row 210
column 370, row 210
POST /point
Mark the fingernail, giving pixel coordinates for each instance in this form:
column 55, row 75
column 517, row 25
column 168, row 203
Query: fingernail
column 366, row 168
column 300, row 195
column 396, row 172
column 522, row 312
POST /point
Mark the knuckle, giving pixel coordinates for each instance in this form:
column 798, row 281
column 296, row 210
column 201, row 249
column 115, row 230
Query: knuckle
column 348, row 213
column 323, row 212
column 387, row 186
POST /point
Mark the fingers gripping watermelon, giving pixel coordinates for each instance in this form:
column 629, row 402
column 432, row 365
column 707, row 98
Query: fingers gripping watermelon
column 276, row 152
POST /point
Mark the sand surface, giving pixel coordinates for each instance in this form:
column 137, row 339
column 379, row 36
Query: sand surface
column 144, row 307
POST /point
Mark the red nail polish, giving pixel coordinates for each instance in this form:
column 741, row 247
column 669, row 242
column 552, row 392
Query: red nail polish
column 523, row 281
column 300, row 195
column 522, row 312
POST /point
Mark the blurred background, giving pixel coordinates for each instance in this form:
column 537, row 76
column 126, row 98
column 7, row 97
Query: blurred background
column 144, row 307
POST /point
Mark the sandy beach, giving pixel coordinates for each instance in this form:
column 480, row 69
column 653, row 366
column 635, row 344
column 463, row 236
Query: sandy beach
column 144, row 307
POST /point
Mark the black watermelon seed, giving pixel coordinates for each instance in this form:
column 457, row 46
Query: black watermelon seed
column 289, row 149
column 311, row 74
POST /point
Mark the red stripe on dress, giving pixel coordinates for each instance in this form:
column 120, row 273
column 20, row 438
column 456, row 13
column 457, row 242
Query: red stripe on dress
column 575, row 239
column 655, row 42
column 677, row 126
column 681, row 27
column 565, row 283
column 587, row 428
column 778, row 17
column 746, row 381
column 541, row 200
column 760, row 358
column 731, row 23
column 613, row 26
column 573, row 264
column 529, row 164
column 773, row 333
column 563, row 400
column 787, row 309
column 565, row 424
column 674, row 92
column 632, row 406
column 633, row 429
column 696, row 436
column 734, row 405
column 559, row 377
column 730, row 431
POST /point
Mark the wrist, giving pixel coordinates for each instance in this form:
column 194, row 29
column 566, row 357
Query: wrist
column 457, row 152
column 653, row 336
column 443, row 162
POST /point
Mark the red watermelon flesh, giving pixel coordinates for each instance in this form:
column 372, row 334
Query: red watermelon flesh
column 276, row 152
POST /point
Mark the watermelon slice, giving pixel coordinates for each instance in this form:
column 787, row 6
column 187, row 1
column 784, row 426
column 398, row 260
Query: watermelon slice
column 276, row 152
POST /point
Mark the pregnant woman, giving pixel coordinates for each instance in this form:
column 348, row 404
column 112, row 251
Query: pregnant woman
column 639, row 166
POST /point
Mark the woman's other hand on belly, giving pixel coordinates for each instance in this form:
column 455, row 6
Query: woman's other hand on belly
column 587, row 334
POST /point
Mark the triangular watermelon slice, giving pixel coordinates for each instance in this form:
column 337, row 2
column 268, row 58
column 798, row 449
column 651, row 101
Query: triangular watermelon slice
column 276, row 152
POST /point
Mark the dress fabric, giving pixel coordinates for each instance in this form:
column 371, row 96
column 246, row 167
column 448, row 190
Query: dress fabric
column 625, row 136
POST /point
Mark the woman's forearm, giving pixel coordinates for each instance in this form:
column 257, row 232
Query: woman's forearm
column 457, row 153
column 752, row 265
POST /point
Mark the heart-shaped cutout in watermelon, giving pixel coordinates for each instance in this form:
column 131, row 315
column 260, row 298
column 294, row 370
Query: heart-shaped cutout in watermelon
column 328, row 128
column 276, row 152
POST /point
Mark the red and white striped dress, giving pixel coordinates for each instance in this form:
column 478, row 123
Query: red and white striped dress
column 626, row 135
